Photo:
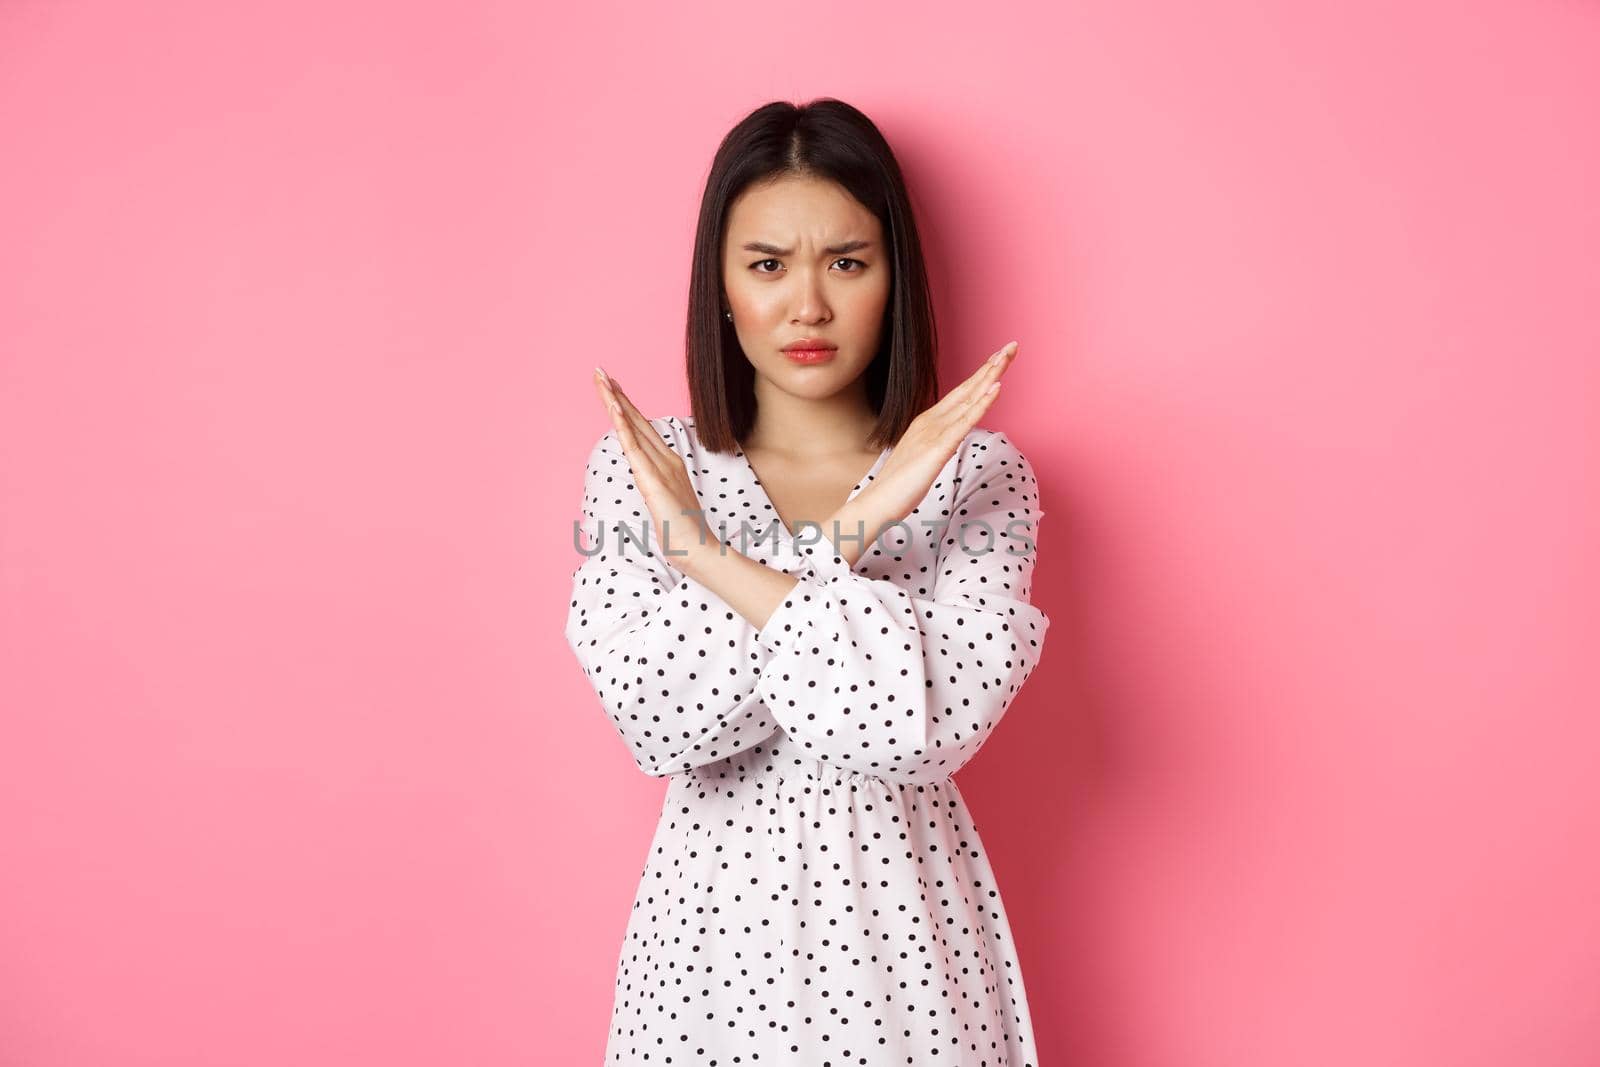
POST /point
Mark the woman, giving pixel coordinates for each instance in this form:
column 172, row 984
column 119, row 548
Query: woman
column 811, row 651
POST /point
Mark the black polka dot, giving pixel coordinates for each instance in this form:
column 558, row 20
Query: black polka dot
column 816, row 891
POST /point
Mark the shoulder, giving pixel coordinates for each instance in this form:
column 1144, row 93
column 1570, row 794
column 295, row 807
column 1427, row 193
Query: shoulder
column 985, row 453
column 992, row 471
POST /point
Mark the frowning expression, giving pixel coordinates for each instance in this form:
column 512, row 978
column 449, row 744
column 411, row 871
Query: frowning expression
column 804, row 261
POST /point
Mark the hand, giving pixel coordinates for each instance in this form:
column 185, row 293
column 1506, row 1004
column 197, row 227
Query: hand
column 661, row 477
column 930, row 441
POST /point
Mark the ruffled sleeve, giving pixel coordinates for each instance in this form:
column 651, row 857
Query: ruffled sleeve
column 674, row 665
column 867, row 675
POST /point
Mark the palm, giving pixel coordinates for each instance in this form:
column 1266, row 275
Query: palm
column 933, row 437
column 663, row 481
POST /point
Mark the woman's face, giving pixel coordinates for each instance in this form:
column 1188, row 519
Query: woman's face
column 803, row 260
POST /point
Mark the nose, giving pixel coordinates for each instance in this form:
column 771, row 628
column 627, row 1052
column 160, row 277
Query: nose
column 811, row 303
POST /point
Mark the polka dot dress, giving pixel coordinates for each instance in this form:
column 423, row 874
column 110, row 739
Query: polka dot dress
column 816, row 892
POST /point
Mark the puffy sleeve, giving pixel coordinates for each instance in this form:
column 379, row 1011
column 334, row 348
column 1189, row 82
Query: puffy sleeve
column 882, row 681
column 674, row 665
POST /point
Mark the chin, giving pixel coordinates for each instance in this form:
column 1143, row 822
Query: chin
column 811, row 386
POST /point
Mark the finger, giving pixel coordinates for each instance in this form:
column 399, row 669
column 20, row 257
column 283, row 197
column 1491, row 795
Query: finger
column 619, row 421
column 648, row 434
column 956, row 416
column 649, row 457
column 638, row 462
column 602, row 390
column 627, row 435
column 993, row 367
column 620, row 417
column 981, row 378
column 973, row 411
column 981, row 402
column 613, row 409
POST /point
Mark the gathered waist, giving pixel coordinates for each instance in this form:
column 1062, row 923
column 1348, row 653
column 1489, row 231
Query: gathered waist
column 796, row 772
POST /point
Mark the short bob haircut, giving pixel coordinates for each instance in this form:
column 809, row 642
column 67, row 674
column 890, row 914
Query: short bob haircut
column 825, row 138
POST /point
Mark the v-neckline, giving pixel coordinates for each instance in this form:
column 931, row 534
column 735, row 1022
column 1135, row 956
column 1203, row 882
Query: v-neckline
column 783, row 524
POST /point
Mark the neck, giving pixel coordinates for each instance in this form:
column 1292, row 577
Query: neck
column 806, row 428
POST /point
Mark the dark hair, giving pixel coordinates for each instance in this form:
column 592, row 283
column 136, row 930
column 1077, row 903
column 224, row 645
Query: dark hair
column 825, row 138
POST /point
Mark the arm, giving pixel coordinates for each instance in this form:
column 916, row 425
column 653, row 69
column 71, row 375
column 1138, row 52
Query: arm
column 673, row 664
column 884, row 682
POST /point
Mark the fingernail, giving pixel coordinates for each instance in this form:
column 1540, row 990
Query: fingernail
column 602, row 372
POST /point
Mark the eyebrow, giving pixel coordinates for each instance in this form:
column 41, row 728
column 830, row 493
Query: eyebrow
column 832, row 250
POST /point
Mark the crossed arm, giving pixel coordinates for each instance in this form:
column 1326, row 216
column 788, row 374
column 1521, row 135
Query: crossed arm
column 707, row 657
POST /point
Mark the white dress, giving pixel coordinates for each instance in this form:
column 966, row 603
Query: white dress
column 816, row 892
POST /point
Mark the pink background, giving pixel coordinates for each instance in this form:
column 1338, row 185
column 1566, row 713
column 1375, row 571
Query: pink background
column 298, row 305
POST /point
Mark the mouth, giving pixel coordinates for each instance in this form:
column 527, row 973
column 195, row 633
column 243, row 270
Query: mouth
column 810, row 355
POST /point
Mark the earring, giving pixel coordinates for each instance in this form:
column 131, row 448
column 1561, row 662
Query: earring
column 728, row 315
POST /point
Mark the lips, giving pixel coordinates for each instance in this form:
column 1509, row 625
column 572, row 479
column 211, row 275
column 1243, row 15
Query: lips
column 809, row 355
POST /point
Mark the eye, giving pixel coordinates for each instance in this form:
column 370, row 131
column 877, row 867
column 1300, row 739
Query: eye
column 859, row 265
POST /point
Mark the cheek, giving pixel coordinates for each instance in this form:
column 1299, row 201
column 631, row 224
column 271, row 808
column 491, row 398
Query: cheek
column 871, row 297
column 867, row 307
column 749, row 301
